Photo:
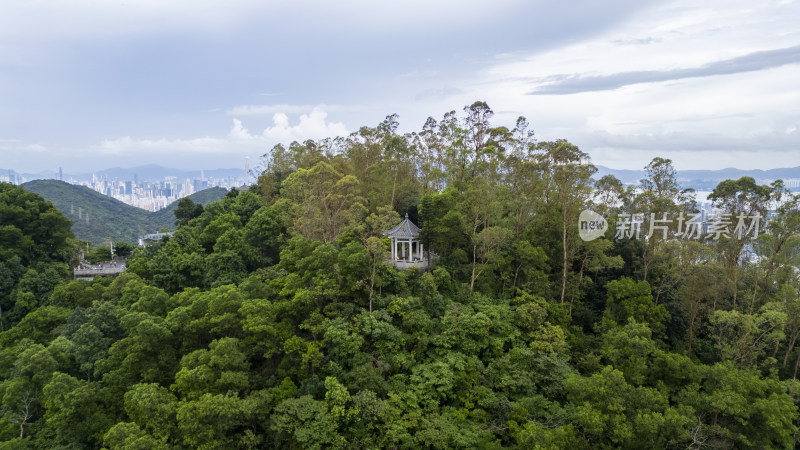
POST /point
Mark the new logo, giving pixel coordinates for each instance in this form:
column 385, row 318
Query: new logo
column 591, row 225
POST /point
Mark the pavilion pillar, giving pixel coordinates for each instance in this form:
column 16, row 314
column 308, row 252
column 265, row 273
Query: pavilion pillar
column 394, row 248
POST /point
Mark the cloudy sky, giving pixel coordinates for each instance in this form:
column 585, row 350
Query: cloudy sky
column 86, row 85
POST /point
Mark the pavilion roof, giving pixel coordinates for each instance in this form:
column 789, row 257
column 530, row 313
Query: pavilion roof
column 405, row 229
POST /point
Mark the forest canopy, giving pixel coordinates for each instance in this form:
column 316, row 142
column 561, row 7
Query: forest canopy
column 274, row 317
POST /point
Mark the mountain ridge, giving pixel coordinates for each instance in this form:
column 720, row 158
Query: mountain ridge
column 702, row 179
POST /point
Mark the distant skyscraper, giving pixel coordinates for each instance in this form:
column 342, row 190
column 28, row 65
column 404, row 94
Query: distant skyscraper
column 199, row 185
column 60, row 175
column 246, row 170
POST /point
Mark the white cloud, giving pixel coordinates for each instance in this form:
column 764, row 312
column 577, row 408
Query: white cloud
column 239, row 131
column 310, row 126
column 238, row 141
column 205, row 151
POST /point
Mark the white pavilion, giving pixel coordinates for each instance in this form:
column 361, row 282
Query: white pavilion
column 407, row 249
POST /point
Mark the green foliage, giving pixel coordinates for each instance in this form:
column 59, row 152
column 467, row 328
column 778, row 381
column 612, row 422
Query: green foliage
column 128, row 436
column 35, row 244
column 186, row 211
column 612, row 412
column 628, row 299
column 742, row 338
column 31, row 228
column 306, row 422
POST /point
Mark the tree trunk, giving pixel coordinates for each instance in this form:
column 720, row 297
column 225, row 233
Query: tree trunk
column 645, row 261
column 472, row 278
column 580, row 281
column 394, row 184
column 796, row 366
column 564, row 245
column 770, row 267
column 372, row 284
column 428, row 252
column 791, row 346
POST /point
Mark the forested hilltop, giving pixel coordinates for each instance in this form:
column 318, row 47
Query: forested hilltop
column 272, row 318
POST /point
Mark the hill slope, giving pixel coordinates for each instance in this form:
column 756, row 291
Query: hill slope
column 98, row 218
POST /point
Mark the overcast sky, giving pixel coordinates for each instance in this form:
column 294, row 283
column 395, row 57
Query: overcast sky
column 191, row 84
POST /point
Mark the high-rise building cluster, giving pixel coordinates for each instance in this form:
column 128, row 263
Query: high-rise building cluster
column 12, row 177
column 154, row 195
column 148, row 195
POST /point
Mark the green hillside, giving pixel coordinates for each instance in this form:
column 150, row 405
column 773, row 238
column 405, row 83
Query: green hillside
column 98, row 218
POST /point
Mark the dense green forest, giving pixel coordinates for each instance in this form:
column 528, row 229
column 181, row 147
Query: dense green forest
column 272, row 317
column 98, row 218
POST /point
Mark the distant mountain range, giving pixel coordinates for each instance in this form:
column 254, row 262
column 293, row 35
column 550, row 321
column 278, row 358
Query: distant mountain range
column 148, row 172
column 153, row 172
column 98, row 218
column 706, row 180
column 697, row 179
